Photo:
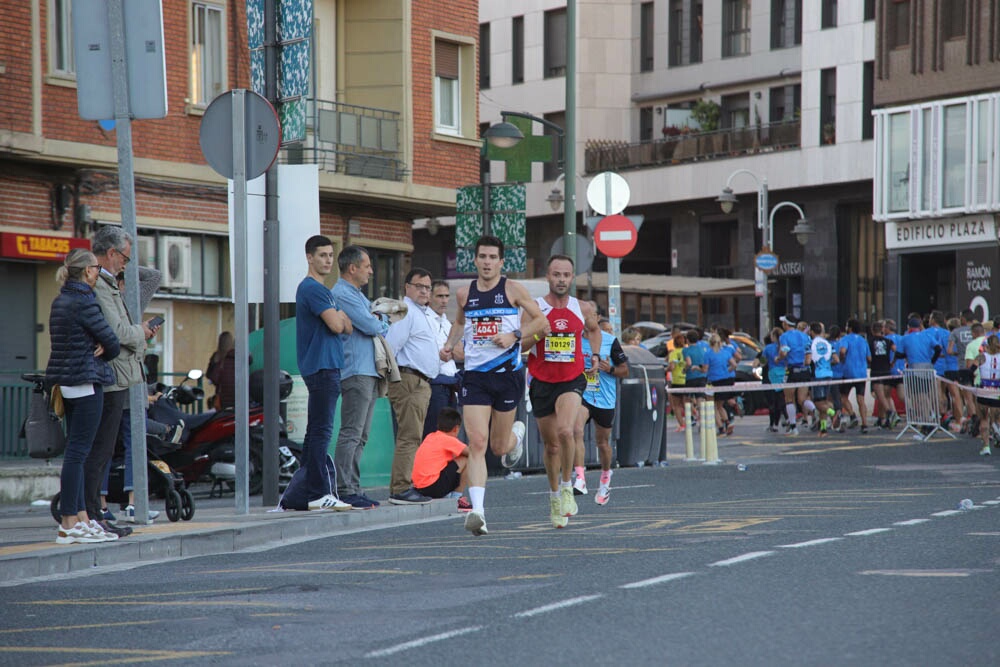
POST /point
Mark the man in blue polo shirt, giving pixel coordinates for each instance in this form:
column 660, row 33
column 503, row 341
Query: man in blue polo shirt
column 320, row 357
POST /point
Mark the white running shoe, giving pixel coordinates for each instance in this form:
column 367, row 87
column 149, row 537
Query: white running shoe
column 97, row 530
column 603, row 495
column 475, row 523
column 579, row 486
column 510, row 459
column 78, row 534
column 985, row 451
column 329, row 502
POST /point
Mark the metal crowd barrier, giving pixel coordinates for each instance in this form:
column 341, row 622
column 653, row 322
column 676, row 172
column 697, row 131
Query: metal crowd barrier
column 923, row 409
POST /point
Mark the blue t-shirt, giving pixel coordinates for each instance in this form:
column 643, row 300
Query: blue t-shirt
column 837, row 368
column 798, row 344
column 854, row 356
column 718, row 363
column 696, row 353
column 776, row 368
column 939, row 336
column 317, row 348
column 897, row 364
column 919, row 347
column 822, row 352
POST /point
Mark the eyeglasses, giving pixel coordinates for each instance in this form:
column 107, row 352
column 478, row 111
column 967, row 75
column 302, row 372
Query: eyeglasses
column 93, row 266
column 127, row 258
column 422, row 288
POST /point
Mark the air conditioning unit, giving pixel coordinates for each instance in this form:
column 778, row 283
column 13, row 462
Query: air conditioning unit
column 146, row 247
column 175, row 261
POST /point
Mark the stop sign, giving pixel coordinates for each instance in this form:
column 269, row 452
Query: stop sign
column 616, row 236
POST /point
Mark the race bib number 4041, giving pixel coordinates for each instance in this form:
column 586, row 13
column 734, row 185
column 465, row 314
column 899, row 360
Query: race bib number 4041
column 484, row 329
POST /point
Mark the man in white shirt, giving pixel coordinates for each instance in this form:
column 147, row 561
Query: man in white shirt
column 444, row 387
column 414, row 341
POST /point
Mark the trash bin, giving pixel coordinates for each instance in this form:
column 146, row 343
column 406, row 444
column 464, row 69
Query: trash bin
column 642, row 412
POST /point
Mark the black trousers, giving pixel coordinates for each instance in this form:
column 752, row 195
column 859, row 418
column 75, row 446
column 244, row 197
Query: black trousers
column 103, row 449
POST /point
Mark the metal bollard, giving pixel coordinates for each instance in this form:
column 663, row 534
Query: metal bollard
column 688, row 438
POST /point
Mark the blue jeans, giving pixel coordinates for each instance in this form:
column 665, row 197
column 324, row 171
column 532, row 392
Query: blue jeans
column 324, row 390
column 83, row 415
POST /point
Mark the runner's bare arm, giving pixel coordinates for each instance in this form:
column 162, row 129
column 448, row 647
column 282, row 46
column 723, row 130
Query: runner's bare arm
column 537, row 325
column 447, row 352
column 591, row 328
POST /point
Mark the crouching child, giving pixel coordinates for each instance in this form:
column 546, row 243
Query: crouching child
column 440, row 462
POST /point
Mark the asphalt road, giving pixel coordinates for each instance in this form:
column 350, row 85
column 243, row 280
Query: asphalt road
column 846, row 552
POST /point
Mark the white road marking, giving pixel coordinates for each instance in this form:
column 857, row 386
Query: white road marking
column 870, row 531
column 657, row 580
column 991, row 502
column 741, row 559
column 911, row 522
column 544, row 609
column 947, row 513
column 416, row 643
column 613, row 488
column 810, row 543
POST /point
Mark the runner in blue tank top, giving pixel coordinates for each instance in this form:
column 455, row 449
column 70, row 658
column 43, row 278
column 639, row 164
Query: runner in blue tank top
column 599, row 406
column 491, row 391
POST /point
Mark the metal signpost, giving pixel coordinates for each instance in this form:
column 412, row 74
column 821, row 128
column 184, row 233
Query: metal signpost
column 240, row 136
column 121, row 74
column 608, row 194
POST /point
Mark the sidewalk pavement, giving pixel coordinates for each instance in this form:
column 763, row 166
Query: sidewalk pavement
column 28, row 548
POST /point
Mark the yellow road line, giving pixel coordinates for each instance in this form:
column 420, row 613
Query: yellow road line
column 130, row 655
column 59, row 628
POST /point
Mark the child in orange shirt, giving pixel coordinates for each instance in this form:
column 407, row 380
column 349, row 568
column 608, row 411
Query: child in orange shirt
column 440, row 462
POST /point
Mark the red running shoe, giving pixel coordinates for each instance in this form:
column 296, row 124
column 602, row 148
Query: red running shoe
column 464, row 505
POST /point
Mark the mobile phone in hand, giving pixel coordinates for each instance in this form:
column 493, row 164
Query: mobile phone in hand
column 155, row 322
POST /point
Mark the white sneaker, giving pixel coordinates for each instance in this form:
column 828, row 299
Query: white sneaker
column 511, row 458
column 97, row 530
column 985, row 451
column 475, row 523
column 129, row 514
column 78, row 534
column 329, row 502
column 603, row 495
column 579, row 486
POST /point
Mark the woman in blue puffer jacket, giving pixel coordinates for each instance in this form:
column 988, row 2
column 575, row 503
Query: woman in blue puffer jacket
column 82, row 344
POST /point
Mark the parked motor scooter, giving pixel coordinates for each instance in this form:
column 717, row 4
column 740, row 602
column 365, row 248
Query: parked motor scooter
column 207, row 449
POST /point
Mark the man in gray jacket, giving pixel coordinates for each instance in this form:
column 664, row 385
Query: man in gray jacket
column 113, row 249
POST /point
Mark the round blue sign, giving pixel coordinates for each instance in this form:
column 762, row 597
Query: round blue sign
column 767, row 261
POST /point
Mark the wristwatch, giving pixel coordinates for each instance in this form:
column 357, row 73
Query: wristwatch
column 517, row 334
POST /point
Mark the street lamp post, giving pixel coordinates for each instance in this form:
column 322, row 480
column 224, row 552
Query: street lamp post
column 726, row 201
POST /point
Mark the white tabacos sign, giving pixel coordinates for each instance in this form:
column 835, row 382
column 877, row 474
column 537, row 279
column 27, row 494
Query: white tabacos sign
column 921, row 233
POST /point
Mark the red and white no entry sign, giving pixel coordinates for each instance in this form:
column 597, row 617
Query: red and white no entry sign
column 616, row 236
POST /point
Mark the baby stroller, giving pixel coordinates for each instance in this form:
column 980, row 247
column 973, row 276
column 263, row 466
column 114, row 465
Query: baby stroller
column 162, row 481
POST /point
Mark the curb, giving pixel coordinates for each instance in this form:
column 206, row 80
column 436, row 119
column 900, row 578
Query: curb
column 258, row 531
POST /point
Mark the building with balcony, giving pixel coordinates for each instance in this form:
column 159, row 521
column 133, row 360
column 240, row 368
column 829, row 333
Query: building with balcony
column 937, row 179
column 677, row 95
column 392, row 126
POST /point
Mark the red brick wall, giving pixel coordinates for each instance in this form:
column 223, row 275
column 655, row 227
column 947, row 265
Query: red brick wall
column 15, row 56
column 26, row 202
column 439, row 163
column 174, row 138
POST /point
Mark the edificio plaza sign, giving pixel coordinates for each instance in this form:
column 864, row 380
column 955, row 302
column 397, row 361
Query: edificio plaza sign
column 953, row 231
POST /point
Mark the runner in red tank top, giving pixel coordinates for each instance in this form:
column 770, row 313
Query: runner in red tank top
column 558, row 381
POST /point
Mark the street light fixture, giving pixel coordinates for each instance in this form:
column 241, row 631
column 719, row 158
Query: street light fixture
column 504, row 135
column 803, row 230
column 727, row 200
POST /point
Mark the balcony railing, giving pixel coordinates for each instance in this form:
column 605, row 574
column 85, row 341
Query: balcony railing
column 352, row 140
column 602, row 155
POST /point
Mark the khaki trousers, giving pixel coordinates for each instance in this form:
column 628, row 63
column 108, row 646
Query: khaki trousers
column 409, row 399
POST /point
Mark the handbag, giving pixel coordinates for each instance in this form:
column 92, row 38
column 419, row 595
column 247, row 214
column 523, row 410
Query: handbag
column 56, row 401
column 43, row 429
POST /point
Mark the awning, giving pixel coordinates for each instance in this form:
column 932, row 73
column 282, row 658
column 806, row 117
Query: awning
column 675, row 285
